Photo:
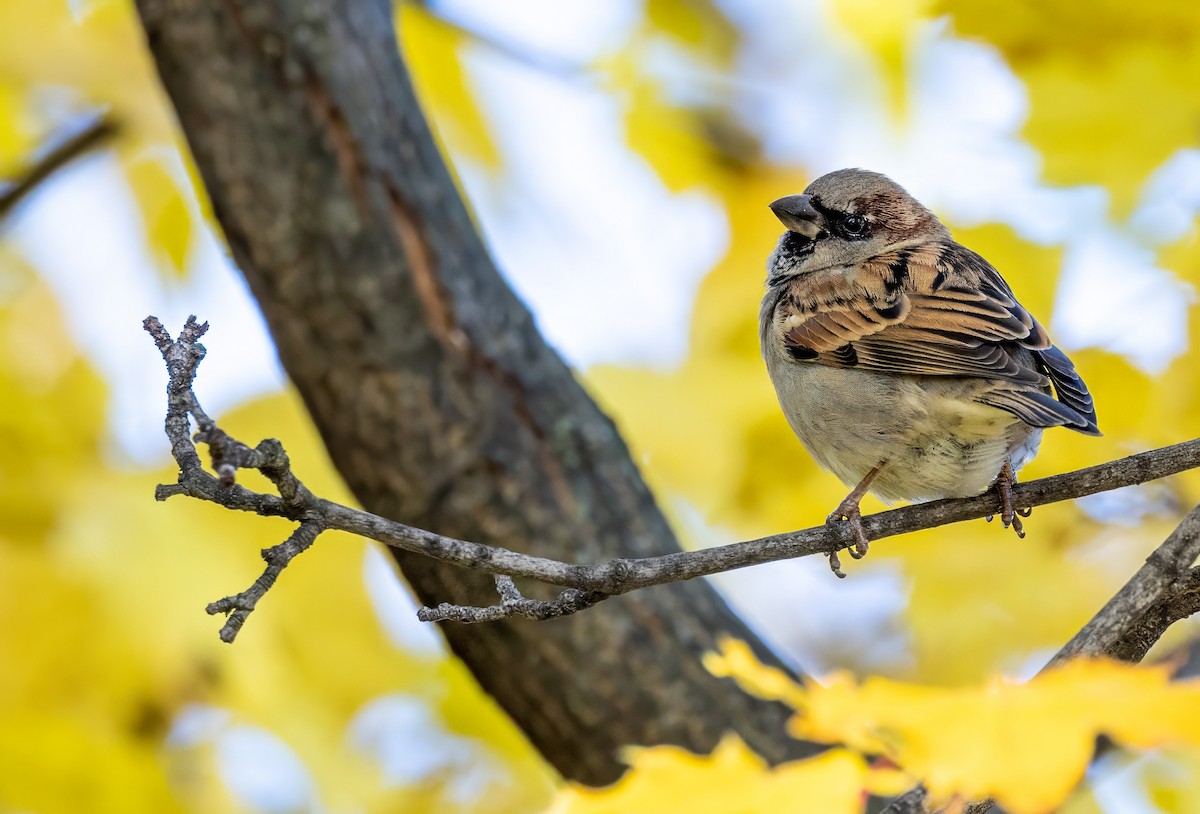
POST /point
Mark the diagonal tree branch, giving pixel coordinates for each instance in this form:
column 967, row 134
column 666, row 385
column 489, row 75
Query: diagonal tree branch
column 1155, row 598
column 1163, row 591
column 94, row 135
column 437, row 398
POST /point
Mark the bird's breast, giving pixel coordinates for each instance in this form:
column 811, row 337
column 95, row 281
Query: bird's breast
column 933, row 438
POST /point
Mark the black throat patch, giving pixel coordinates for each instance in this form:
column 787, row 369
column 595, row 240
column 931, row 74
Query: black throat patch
column 792, row 251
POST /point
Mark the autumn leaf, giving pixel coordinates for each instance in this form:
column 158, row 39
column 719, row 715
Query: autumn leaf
column 433, row 49
column 731, row 780
column 1111, row 85
column 1026, row 745
column 166, row 213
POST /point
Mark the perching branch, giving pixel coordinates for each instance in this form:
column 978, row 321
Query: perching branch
column 91, row 137
column 585, row 585
column 1163, row 591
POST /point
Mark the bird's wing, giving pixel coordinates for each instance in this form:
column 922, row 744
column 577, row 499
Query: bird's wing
column 935, row 309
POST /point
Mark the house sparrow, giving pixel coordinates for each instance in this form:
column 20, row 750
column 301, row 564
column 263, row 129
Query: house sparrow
column 902, row 359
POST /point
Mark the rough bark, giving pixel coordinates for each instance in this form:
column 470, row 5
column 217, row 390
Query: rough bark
column 438, row 400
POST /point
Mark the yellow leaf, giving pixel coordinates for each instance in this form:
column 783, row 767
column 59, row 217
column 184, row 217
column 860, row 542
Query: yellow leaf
column 1173, row 781
column 165, row 211
column 106, row 640
column 101, row 56
column 735, row 660
column 697, row 24
column 55, row 762
column 433, row 50
column 886, row 28
column 46, row 438
column 685, row 145
column 16, row 136
column 1111, row 84
column 732, row 780
column 1027, row 745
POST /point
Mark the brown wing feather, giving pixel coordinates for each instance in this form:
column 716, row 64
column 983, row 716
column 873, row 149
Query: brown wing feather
column 902, row 317
column 936, row 309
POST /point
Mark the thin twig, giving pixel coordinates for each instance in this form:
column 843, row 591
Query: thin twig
column 91, row 137
column 512, row 603
column 183, row 356
column 239, row 606
column 593, row 581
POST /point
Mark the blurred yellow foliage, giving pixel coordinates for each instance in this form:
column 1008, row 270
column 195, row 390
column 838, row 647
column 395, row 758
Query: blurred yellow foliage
column 105, row 648
column 96, row 59
column 1026, row 745
column 432, row 49
column 698, row 26
column 886, row 28
column 105, row 641
column 16, row 132
column 164, row 206
column 731, row 780
column 688, row 144
column 1112, row 85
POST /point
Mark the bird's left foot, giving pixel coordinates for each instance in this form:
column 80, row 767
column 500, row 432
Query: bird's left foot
column 1010, row 515
column 848, row 511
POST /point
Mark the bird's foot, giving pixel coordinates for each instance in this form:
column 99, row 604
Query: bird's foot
column 848, row 511
column 1010, row 515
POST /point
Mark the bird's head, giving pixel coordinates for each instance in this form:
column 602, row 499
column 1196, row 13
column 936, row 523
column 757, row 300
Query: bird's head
column 844, row 218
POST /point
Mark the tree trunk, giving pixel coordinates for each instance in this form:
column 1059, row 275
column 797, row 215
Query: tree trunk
column 436, row 396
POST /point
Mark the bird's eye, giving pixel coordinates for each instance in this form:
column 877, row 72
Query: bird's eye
column 854, row 225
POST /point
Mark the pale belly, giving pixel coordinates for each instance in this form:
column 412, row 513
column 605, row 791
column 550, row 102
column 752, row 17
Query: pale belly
column 932, row 440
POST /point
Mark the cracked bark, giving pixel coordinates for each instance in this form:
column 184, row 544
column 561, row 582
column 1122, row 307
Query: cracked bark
column 439, row 402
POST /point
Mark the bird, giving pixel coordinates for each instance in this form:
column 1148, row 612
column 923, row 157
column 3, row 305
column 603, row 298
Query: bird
column 902, row 359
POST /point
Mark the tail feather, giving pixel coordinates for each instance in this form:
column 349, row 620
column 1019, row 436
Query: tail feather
column 1038, row 409
column 1069, row 388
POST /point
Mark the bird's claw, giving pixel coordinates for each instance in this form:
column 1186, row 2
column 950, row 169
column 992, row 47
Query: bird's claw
column 1010, row 515
column 849, row 512
column 835, row 565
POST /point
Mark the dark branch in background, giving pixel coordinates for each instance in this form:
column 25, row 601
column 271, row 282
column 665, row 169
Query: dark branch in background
column 1185, row 659
column 89, row 138
column 1155, row 599
column 1163, row 591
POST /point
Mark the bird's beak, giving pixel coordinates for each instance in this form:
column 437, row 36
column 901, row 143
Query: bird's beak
column 796, row 212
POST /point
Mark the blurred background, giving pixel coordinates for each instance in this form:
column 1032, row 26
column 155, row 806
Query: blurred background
column 619, row 156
